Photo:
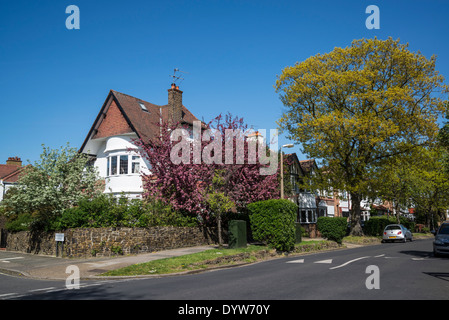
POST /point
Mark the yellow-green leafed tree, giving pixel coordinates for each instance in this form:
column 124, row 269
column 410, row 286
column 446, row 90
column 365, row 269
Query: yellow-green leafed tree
column 358, row 108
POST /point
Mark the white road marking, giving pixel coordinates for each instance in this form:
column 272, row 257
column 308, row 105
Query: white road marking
column 324, row 261
column 43, row 289
column 6, row 260
column 7, row 294
column 346, row 263
column 296, row 261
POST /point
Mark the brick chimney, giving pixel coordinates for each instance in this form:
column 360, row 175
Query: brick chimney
column 174, row 104
column 14, row 161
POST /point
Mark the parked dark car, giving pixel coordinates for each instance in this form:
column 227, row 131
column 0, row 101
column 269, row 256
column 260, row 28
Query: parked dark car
column 441, row 242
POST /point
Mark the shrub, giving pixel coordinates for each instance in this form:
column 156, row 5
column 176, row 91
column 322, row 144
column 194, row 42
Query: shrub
column 332, row 228
column 273, row 222
column 21, row 223
column 375, row 225
column 108, row 211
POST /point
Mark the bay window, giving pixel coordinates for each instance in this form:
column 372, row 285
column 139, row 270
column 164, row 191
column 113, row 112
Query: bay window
column 122, row 165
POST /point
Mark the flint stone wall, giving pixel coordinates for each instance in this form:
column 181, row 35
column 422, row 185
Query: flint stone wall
column 109, row 241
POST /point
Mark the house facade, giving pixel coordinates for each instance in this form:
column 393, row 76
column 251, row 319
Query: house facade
column 122, row 120
column 9, row 174
column 313, row 204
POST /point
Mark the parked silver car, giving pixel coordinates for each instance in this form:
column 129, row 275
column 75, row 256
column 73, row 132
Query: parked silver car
column 441, row 242
column 396, row 232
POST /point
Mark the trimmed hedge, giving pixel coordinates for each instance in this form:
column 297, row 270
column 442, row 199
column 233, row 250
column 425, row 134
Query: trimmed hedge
column 375, row 225
column 273, row 222
column 332, row 228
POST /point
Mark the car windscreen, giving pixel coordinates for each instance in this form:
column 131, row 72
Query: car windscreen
column 393, row 228
column 444, row 229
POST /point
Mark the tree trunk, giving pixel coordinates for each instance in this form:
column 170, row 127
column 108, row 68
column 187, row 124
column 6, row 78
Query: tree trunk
column 356, row 227
column 220, row 238
column 398, row 213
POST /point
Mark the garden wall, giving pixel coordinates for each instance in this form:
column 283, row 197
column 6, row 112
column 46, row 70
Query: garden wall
column 91, row 242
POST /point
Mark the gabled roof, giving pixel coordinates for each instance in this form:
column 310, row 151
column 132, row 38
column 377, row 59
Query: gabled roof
column 308, row 165
column 293, row 157
column 145, row 123
column 10, row 173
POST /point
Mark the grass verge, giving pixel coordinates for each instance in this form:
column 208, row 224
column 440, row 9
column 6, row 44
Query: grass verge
column 216, row 258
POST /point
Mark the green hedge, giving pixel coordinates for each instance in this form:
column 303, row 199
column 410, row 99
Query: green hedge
column 108, row 211
column 375, row 225
column 332, row 228
column 273, row 222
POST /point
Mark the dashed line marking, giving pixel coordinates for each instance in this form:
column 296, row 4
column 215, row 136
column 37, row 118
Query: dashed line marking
column 296, row 261
column 324, row 261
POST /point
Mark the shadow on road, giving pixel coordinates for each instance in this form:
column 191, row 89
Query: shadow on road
column 417, row 253
column 439, row 275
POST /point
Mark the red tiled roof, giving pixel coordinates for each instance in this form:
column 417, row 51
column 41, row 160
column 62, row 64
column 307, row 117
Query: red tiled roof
column 144, row 124
column 9, row 173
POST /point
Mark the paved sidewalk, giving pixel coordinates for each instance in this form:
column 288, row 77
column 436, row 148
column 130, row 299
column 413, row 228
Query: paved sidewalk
column 45, row 267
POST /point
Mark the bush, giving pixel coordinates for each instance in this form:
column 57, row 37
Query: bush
column 375, row 225
column 273, row 222
column 332, row 228
column 107, row 211
column 21, row 223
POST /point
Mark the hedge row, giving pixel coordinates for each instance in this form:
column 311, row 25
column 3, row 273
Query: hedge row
column 375, row 225
column 273, row 222
column 332, row 228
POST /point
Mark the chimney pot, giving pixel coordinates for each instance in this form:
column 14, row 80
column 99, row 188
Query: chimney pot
column 14, row 161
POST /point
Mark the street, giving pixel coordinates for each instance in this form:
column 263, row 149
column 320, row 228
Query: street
column 405, row 271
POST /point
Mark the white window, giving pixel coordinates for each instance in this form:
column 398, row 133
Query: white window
column 135, row 164
column 123, row 164
column 307, row 216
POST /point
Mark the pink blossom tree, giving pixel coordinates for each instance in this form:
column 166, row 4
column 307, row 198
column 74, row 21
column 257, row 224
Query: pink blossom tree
column 187, row 185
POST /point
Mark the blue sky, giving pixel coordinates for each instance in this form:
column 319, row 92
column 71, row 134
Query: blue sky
column 53, row 81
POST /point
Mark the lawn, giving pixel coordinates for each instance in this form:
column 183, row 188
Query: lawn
column 215, row 258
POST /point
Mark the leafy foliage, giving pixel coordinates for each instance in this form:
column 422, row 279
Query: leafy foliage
column 108, row 211
column 360, row 108
column 273, row 222
column 48, row 187
column 375, row 225
column 186, row 186
column 332, row 228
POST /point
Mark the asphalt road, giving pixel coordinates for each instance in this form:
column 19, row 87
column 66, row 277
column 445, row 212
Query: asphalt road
column 393, row 271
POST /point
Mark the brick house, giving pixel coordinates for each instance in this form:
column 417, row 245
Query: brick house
column 121, row 120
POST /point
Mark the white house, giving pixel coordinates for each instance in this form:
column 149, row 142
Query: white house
column 9, row 174
column 121, row 120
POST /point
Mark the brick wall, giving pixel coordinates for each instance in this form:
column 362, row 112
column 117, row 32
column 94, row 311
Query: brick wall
column 109, row 241
column 114, row 123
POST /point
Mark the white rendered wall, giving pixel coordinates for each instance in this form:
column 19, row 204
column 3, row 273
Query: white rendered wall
column 130, row 183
